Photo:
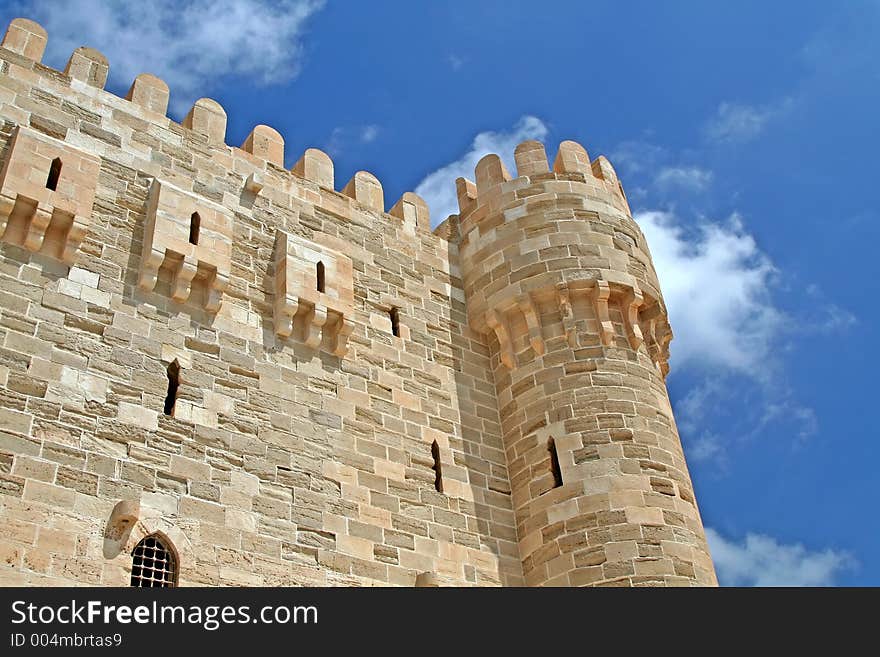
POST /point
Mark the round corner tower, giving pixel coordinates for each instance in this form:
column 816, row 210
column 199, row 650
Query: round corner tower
column 555, row 268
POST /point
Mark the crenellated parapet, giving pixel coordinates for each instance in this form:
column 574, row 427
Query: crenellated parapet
column 556, row 252
column 185, row 232
column 148, row 97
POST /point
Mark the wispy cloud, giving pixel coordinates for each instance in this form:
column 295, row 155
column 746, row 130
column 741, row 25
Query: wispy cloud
column 683, row 178
column 832, row 318
column 456, row 62
column 761, row 560
column 735, row 122
column 193, row 45
column 438, row 187
column 708, row 446
column 803, row 417
column 652, row 169
column 369, row 133
column 343, row 138
column 636, row 156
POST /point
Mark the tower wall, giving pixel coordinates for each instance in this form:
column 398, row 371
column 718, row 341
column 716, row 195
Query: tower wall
column 559, row 274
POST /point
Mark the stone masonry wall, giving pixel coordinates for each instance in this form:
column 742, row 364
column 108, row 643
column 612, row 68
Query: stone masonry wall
column 283, row 463
column 291, row 385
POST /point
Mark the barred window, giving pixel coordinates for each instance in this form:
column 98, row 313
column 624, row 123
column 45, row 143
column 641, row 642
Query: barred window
column 154, row 563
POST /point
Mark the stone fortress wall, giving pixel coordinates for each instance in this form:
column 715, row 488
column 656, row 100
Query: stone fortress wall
column 292, row 386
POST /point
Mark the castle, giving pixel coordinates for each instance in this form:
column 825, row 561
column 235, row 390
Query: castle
column 217, row 371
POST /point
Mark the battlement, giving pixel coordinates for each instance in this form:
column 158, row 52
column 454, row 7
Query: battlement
column 572, row 163
column 546, row 239
column 262, row 150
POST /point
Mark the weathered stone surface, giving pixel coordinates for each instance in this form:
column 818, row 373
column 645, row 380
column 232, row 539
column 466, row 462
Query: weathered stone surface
column 417, row 410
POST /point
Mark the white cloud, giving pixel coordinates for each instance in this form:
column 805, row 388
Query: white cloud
column 438, row 188
column 735, row 122
column 716, row 283
column 683, row 178
column 192, row 45
column 762, row 561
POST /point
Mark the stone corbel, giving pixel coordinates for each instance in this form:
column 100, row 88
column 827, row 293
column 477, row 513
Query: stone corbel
column 75, row 235
column 181, row 284
column 37, row 229
column 255, row 182
column 567, row 314
column 651, row 339
column 600, row 294
column 6, row 206
column 657, row 339
column 315, row 319
column 344, row 328
column 497, row 323
column 664, row 337
column 527, row 307
column 216, row 285
column 632, row 301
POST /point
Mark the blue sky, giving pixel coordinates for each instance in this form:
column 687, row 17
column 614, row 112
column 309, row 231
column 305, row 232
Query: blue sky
column 745, row 135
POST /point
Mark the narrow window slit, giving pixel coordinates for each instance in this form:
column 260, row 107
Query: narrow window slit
column 319, row 270
column 395, row 322
column 554, row 463
column 54, row 174
column 195, row 224
column 173, row 384
column 437, row 467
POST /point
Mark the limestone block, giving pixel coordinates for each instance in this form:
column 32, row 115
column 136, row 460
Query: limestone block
column 313, row 292
column 315, row 165
column 149, row 92
column 27, row 38
column 195, row 235
column 265, row 143
column 414, row 211
column 572, row 158
column 490, row 171
column 531, row 159
column 365, row 188
column 47, row 189
column 207, row 117
column 89, row 66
